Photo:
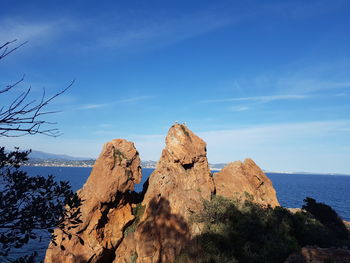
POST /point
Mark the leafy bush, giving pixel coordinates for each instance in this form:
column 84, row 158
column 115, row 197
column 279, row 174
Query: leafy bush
column 29, row 204
column 327, row 216
column 137, row 211
column 243, row 231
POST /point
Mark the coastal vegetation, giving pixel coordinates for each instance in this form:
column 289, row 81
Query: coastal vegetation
column 137, row 212
column 243, row 231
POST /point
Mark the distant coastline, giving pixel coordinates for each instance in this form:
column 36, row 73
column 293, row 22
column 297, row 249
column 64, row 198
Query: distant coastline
column 306, row 173
column 74, row 163
column 149, row 165
column 43, row 159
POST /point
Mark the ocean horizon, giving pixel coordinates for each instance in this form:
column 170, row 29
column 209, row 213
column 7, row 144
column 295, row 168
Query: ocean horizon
column 291, row 188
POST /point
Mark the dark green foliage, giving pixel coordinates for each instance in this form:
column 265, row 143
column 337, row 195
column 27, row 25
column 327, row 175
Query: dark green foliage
column 236, row 231
column 327, row 216
column 30, row 203
column 137, row 211
column 185, row 132
column 118, row 157
column 134, row 257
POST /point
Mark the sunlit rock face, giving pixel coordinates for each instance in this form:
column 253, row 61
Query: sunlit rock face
column 176, row 190
column 245, row 180
column 182, row 175
column 153, row 226
column 106, row 208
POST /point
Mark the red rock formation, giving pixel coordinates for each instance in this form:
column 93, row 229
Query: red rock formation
column 242, row 180
column 158, row 238
column 177, row 188
column 320, row 255
column 155, row 230
column 105, row 210
column 182, row 175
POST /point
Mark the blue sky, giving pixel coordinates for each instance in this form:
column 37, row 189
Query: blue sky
column 262, row 79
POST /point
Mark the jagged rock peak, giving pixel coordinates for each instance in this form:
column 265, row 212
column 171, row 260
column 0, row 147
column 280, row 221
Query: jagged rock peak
column 182, row 175
column 106, row 209
column 176, row 190
column 183, row 145
column 116, row 169
column 245, row 180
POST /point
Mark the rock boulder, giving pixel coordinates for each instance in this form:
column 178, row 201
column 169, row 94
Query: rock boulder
column 245, row 180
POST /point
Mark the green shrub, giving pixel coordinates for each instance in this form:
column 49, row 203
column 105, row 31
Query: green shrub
column 243, row 231
column 137, row 211
column 134, row 257
column 327, row 216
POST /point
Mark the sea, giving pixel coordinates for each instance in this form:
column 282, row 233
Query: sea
column 292, row 189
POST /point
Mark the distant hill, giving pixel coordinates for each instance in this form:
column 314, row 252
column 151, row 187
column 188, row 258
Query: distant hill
column 51, row 156
column 217, row 166
column 39, row 158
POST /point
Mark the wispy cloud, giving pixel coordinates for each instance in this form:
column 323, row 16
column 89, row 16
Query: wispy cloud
column 106, row 125
column 160, row 30
column 313, row 146
column 13, row 29
column 134, row 99
column 35, row 31
column 155, row 31
column 91, row 106
column 120, row 101
column 239, row 108
column 261, row 99
column 310, row 82
column 315, row 77
column 308, row 85
column 104, row 132
column 342, row 94
column 265, row 133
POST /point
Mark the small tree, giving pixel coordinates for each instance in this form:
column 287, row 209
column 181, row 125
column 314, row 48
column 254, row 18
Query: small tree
column 327, row 216
column 29, row 203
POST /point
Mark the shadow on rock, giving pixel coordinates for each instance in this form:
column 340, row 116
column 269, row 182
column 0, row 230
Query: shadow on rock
column 159, row 237
column 162, row 233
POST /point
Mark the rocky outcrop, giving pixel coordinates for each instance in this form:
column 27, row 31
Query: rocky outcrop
column 245, row 180
column 176, row 190
column 182, row 175
column 106, row 208
column 118, row 229
column 320, row 255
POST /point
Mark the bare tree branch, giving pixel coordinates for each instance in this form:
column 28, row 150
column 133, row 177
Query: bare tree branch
column 4, row 49
column 10, row 86
column 22, row 116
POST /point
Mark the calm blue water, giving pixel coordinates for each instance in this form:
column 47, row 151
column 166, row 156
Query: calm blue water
column 291, row 190
column 333, row 190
